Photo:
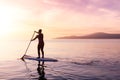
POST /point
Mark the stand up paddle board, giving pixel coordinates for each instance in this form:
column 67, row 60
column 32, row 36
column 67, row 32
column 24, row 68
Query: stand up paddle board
column 40, row 59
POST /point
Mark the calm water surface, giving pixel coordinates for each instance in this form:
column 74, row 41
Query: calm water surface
column 81, row 59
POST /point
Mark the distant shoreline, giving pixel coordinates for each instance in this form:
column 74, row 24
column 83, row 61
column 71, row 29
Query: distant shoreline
column 99, row 35
column 86, row 38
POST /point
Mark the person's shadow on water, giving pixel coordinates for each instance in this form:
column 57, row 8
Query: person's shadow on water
column 40, row 70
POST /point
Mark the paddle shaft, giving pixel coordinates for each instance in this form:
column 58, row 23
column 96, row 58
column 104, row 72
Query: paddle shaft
column 29, row 44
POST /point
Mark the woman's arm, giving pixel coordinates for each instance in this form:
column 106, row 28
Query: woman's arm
column 35, row 31
column 34, row 38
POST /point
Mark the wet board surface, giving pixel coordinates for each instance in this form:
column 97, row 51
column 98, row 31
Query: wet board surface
column 40, row 59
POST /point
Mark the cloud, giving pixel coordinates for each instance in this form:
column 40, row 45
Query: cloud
column 80, row 14
column 92, row 12
column 86, row 6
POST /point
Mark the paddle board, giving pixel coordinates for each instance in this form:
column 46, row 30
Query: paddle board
column 40, row 59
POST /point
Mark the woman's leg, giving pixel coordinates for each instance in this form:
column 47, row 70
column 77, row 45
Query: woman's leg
column 42, row 50
column 38, row 51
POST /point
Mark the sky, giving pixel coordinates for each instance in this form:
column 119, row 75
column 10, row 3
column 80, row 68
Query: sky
column 20, row 18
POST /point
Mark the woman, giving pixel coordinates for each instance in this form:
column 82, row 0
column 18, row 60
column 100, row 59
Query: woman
column 40, row 43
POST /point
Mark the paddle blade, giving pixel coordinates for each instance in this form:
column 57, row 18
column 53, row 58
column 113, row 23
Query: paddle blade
column 22, row 58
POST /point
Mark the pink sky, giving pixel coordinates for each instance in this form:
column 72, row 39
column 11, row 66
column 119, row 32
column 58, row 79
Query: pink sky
column 59, row 17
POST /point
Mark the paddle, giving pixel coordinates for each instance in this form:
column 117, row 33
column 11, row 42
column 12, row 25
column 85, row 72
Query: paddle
column 28, row 46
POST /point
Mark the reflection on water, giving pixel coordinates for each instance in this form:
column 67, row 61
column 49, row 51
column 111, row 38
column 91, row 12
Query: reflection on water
column 77, row 60
column 41, row 70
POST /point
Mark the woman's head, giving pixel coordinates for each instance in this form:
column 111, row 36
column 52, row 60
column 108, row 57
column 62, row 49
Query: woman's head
column 40, row 30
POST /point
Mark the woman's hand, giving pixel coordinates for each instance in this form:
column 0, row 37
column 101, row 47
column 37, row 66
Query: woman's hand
column 35, row 31
column 32, row 40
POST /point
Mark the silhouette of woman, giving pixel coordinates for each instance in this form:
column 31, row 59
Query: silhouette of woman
column 40, row 43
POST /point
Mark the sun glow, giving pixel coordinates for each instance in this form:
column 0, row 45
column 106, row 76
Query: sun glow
column 9, row 17
column 5, row 22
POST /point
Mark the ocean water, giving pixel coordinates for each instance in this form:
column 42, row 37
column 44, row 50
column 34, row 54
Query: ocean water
column 78, row 59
